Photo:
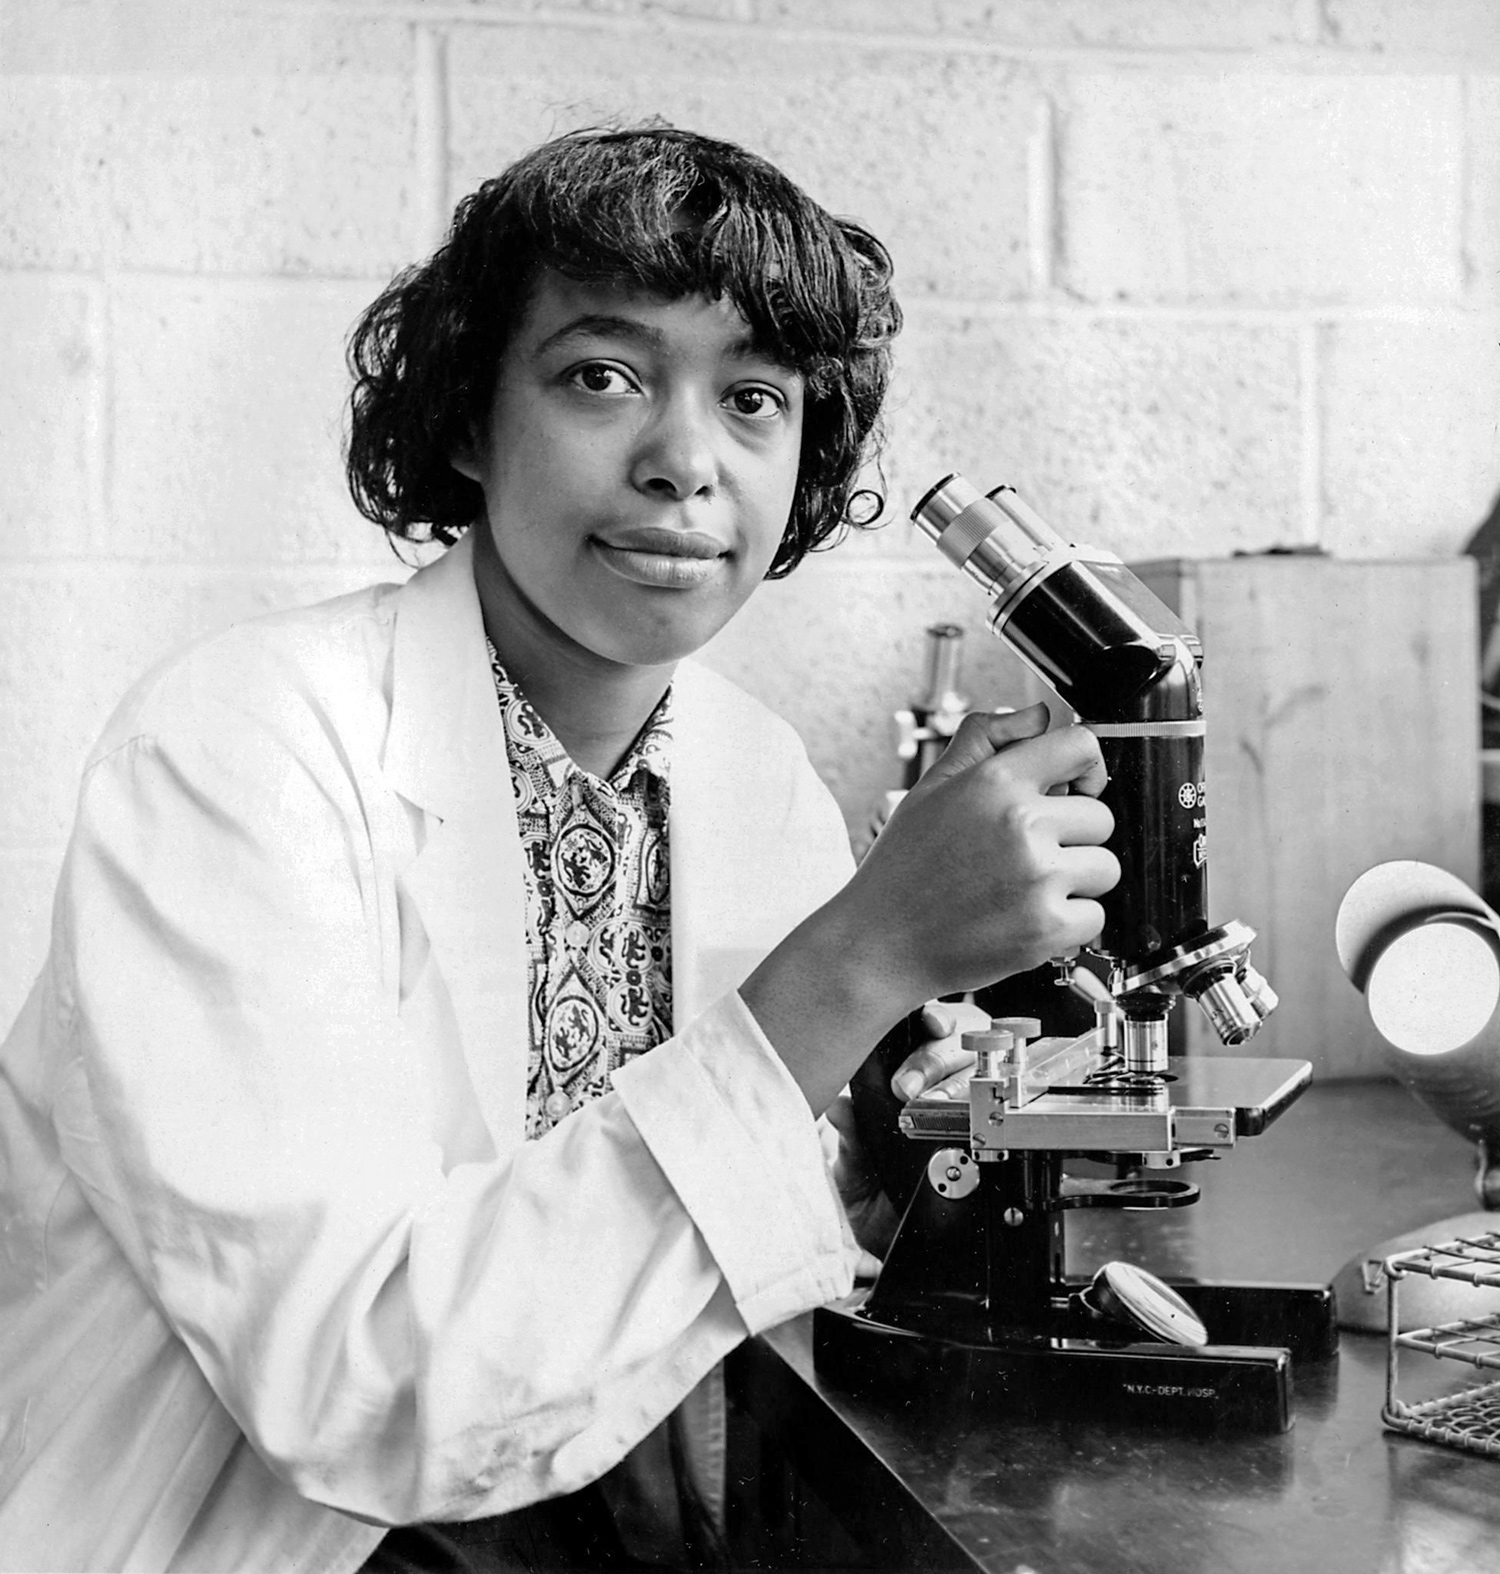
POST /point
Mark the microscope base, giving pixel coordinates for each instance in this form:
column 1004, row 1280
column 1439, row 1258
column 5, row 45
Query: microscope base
column 1211, row 1388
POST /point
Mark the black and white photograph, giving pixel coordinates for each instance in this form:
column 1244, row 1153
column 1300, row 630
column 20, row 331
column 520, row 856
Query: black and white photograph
column 750, row 786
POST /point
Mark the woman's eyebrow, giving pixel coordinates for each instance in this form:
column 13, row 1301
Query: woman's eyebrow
column 600, row 325
column 604, row 325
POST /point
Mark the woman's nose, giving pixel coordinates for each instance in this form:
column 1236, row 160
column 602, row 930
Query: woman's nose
column 676, row 456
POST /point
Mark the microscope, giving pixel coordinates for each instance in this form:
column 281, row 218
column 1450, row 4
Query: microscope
column 973, row 1298
column 926, row 727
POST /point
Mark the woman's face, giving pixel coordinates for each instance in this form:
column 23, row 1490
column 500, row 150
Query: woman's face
column 638, row 468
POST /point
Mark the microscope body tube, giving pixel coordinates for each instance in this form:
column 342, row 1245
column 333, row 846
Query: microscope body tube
column 1130, row 669
column 1151, row 737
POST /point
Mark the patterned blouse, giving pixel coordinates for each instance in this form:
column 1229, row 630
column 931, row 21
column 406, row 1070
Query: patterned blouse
column 598, row 914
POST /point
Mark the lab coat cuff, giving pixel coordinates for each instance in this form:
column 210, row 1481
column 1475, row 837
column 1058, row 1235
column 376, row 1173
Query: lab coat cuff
column 731, row 1130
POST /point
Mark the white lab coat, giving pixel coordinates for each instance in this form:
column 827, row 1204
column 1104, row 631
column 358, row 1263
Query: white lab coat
column 277, row 1266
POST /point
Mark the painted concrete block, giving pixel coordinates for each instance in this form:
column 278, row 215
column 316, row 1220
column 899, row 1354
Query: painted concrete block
column 1482, row 250
column 223, row 139
column 307, row 173
column 1149, row 436
column 183, row 38
column 928, row 150
column 1411, row 438
column 1469, row 29
column 1260, row 187
column 227, row 422
column 1122, row 24
column 698, row 10
column 50, row 393
column 54, row 191
column 444, row 11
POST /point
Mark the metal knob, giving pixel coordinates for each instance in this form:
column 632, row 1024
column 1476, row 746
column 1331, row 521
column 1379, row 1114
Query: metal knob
column 994, row 1052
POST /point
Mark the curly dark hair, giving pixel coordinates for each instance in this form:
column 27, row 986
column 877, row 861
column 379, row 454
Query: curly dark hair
column 659, row 209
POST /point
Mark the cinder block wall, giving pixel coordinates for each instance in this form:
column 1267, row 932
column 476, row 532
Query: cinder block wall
column 1194, row 276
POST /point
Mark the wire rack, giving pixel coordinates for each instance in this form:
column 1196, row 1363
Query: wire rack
column 1470, row 1418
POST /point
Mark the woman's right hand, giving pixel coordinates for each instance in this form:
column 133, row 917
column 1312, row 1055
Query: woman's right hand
column 992, row 863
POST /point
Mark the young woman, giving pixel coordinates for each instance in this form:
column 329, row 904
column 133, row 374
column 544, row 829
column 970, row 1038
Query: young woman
column 420, row 1096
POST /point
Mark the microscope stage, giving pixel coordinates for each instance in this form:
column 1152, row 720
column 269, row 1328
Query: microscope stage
column 1256, row 1090
column 1198, row 1102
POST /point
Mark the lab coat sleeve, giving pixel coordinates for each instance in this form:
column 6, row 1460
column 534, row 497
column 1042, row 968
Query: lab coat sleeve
column 397, row 1341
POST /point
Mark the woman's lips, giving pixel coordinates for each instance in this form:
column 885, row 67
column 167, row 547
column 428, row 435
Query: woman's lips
column 673, row 559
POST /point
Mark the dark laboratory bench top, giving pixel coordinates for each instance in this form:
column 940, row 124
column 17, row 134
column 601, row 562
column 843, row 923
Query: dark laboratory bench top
column 879, row 1486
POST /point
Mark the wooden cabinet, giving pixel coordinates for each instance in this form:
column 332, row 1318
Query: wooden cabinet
column 1343, row 730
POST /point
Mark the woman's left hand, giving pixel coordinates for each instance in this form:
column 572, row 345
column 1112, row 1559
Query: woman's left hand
column 940, row 1066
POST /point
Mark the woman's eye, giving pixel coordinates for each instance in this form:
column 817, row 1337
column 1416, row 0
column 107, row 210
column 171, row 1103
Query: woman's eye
column 761, row 403
column 596, row 377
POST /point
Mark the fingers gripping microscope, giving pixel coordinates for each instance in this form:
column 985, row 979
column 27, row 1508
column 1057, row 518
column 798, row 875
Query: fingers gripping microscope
column 974, row 1293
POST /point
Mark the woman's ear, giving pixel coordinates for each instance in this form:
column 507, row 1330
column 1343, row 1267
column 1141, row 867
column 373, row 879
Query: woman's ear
column 467, row 462
column 469, row 455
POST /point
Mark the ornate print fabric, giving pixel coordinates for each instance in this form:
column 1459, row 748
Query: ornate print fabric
column 598, row 914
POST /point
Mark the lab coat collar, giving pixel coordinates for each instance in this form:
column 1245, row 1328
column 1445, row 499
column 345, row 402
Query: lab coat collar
column 446, row 739
column 445, row 753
